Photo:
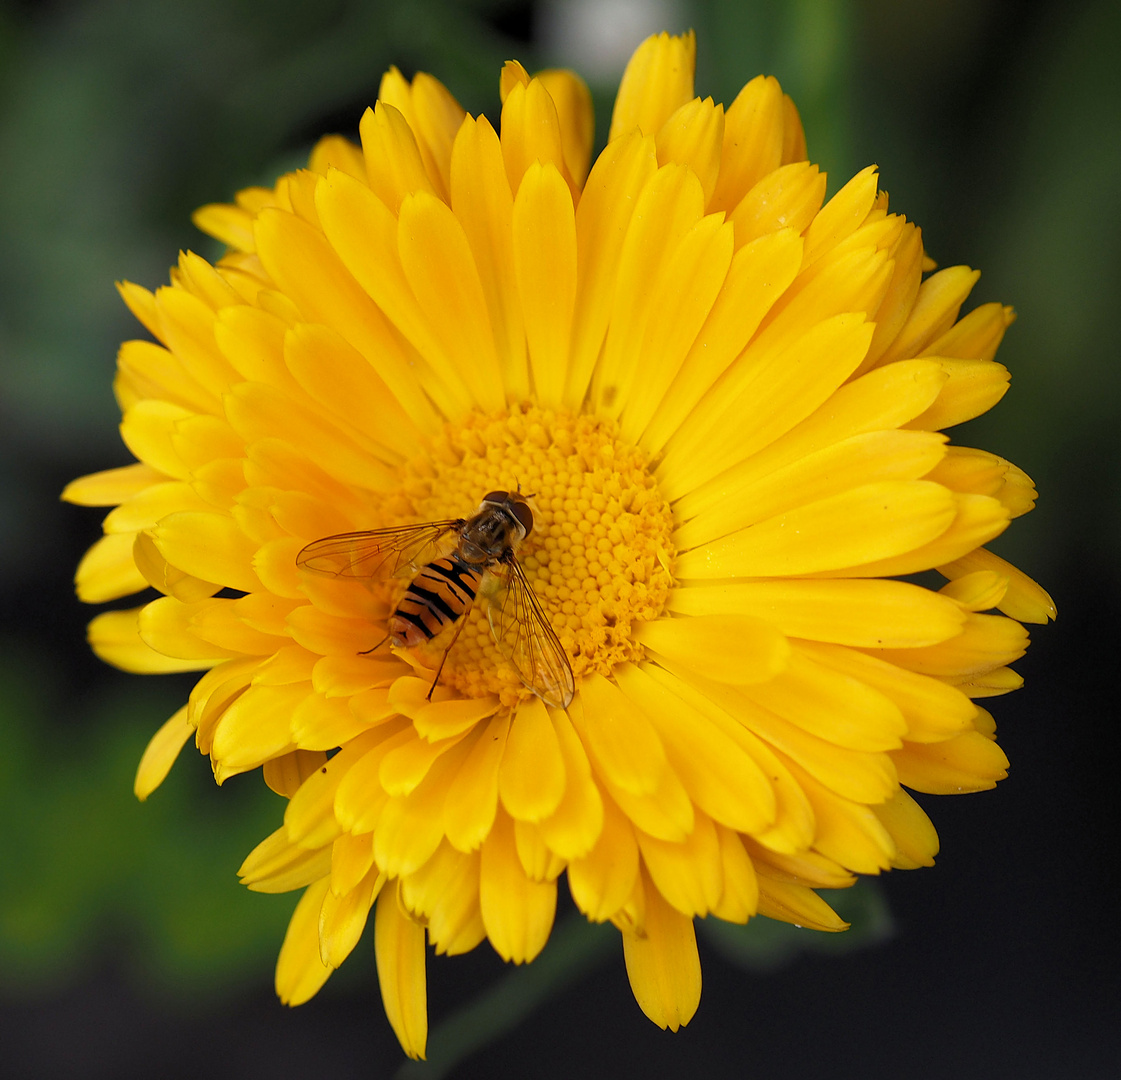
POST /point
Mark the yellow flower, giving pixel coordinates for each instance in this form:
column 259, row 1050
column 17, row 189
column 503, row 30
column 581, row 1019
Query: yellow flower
column 726, row 401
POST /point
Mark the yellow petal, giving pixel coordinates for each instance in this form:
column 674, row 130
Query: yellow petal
column 796, row 904
column 531, row 132
column 658, row 80
column 436, row 117
column 757, row 276
column 967, row 762
column 276, row 865
column 787, row 198
column 299, row 970
column 539, row 863
column 394, row 164
column 112, row 486
column 662, row 964
column 208, row 546
column 603, row 216
column 439, row 717
column 979, row 591
column 445, row 892
column 357, row 799
column 721, row 776
column 862, row 776
column 842, row 215
column 351, row 859
column 573, row 103
column 729, row 648
column 544, row 253
column 619, row 736
column 161, row 752
column 665, row 810
column 410, row 827
column 404, row 767
column 342, row 381
column 972, row 388
column 849, row 529
column 531, row 780
column 286, row 773
column 739, row 898
column 793, row 137
column 145, row 509
column 851, row 611
column 976, row 472
column 256, row 727
column 1024, row 600
column 848, row 831
column 602, row 880
column 142, row 303
column 572, row 830
column 862, row 459
column 936, row 307
column 906, row 278
column 977, row 520
column 310, row 816
column 213, row 693
column 773, row 386
column 517, row 912
column 693, row 136
column 911, row 830
column 342, row 918
column 311, row 272
column 682, row 298
column 513, row 74
column 472, row 796
column 438, row 266
column 986, row 642
column 335, row 152
column 834, row 706
column 187, row 328
column 147, row 430
column 481, row 199
column 882, row 399
column 688, row 875
column 786, row 818
column 933, row 710
column 115, row 637
column 975, row 336
column 666, row 813
column 107, row 571
column 752, row 141
column 670, row 205
column 217, row 621
column 399, row 948
column 232, row 225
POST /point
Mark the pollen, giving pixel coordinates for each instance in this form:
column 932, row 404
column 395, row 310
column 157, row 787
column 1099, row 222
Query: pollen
column 599, row 557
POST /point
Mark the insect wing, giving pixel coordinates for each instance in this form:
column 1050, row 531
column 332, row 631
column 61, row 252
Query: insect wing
column 526, row 639
column 376, row 553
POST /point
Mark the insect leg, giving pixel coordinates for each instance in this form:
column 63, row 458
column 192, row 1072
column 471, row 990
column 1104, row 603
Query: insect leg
column 444, row 658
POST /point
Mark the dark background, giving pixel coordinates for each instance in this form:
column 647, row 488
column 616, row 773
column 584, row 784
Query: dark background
column 127, row 948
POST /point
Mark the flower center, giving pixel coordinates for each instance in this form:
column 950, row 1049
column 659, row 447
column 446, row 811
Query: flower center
column 599, row 556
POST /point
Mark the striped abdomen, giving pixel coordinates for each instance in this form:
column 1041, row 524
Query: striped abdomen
column 437, row 597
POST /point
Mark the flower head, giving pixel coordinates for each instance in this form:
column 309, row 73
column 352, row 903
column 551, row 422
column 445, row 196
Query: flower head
column 723, row 399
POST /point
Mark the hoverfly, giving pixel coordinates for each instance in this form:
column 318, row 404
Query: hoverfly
column 446, row 580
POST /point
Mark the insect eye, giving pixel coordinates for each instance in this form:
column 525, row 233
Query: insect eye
column 520, row 509
column 496, row 496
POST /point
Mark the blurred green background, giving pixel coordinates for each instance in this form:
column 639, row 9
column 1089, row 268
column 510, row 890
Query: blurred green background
column 127, row 946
